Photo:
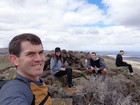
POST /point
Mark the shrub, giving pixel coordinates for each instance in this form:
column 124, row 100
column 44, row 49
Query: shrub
column 112, row 91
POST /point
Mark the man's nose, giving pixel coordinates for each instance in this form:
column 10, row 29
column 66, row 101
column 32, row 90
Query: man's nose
column 39, row 57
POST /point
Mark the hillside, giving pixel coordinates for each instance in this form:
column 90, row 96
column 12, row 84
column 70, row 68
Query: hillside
column 3, row 51
column 118, row 88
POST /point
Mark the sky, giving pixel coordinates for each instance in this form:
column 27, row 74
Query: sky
column 85, row 25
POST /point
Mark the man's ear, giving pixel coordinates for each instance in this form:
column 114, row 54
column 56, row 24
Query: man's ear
column 13, row 59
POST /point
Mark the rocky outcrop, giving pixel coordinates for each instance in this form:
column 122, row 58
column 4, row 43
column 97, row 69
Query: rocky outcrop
column 118, row 87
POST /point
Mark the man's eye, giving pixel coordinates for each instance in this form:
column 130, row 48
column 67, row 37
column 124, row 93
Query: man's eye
column 30, row 54
column 42, row 52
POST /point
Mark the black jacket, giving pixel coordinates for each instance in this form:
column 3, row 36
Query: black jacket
column 119, row 60
column 98, row 63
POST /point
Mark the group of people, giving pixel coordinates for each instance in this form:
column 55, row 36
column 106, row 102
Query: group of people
column 27, row 54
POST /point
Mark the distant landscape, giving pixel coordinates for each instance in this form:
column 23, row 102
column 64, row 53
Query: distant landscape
column 3, row 51
column 129, row 55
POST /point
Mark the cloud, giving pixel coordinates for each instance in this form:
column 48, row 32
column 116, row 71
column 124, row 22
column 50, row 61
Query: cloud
column 123, row 12
column 73, row 24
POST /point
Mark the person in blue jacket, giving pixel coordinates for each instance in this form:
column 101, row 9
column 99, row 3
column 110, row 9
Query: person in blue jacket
column 58, row 68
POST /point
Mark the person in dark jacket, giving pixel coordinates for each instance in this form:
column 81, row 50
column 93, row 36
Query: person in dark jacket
column 59, row 68
column 119, row 62
column 95, row 65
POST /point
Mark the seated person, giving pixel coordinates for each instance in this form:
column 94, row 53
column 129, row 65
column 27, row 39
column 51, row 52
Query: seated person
column 119, row 62
column 95, row 65
column 58, row 68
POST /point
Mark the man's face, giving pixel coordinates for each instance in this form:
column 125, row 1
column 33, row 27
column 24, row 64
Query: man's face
column 30, row 63
column 122, row 53
column 93, row 56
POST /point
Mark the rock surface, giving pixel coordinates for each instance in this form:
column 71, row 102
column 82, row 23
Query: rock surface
column 91, row 89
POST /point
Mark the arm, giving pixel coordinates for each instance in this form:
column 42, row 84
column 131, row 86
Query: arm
column 63, row 66
column 14, row 93
column 53, row 66
column 102, row 65
column 119, row 59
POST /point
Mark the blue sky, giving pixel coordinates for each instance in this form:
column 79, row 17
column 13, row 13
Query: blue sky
column 98, row 3
column 101, row 25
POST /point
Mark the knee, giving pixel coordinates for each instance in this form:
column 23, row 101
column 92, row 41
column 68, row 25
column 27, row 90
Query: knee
column 68, row 69
column 104, row 71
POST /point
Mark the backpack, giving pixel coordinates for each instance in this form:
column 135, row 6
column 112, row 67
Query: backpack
column 41, row 95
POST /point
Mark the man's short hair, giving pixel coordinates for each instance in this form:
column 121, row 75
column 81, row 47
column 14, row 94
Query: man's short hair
column 121, row 51
column 15, row 43
column 93, row 53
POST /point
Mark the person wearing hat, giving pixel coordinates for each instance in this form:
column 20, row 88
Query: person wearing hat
column 58, row 68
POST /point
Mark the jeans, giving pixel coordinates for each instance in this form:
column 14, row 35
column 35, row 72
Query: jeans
column 67, row 72
column 128, row 65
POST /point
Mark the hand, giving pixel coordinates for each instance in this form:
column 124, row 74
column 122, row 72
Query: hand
column 96, row 70
column 92, row 68
column 89, row 70
column 62, row 69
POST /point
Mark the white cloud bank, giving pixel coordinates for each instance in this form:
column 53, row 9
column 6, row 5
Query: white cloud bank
column 73, row 24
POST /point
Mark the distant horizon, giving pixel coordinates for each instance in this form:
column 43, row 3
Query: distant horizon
column 129, row 55
column 87, row 50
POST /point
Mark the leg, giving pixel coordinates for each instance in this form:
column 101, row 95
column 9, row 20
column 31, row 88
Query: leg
column 60, row 73
column 62, row 80
column 129, row 67
column 104, row 71
column 69, row 75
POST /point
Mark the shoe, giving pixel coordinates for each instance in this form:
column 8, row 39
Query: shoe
column 71, row 86
column 131, row 74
